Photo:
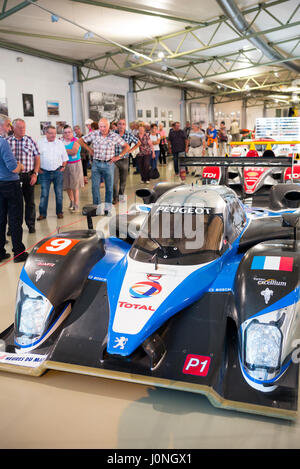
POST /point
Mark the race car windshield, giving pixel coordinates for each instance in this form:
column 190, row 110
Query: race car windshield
column 180, row 236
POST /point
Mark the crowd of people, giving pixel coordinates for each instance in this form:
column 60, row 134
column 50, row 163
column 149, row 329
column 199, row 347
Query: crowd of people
column 108, row 148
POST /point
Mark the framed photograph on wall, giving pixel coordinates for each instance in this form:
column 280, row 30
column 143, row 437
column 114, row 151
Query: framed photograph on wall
column 60, row 127
column 106, row 105
column 52, row 108
column 43, row 126
column 28, row 109
column 3, row 107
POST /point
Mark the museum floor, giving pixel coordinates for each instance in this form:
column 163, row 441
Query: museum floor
column 60, row 410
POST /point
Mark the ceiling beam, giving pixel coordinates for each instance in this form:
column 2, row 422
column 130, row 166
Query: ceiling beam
column 6, row 13
column 138, row 11
column 53, row 38
column 216, row 21
column 38, row 53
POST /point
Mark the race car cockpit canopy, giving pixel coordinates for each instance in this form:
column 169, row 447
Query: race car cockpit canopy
column 189, row 225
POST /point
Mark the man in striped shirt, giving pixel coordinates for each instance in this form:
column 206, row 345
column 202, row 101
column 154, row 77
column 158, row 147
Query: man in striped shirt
column 26, row 152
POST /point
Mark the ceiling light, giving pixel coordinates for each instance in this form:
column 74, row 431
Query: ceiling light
column 88, row 35
column 201, row 80
column 247, row 87
column 160, row 54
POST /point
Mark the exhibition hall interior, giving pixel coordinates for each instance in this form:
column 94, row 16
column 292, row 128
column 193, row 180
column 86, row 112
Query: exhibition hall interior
column 149, row 225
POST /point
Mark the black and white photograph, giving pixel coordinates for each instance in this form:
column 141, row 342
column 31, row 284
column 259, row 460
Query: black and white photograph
column 28, row 108
column 3, row 106
column 43, row 126
column 107, row 105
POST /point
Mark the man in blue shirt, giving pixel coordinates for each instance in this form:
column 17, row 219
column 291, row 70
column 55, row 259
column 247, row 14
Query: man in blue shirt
column 11, row 201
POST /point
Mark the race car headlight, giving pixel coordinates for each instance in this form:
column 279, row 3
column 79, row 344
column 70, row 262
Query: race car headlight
column 263, row 344
column 32, row 312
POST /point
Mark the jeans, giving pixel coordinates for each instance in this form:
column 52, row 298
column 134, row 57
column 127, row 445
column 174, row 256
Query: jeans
column 176, row 155
column 56, row 177
column 120, row 176
column 101, row 169
column 154, row 160
column 11, row 205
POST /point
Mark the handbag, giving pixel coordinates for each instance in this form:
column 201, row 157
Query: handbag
column 154, row 173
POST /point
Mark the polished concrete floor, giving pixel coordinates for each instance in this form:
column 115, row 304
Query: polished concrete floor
column 64, row 410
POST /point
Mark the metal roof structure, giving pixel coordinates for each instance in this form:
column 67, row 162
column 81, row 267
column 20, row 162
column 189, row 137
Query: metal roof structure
column 229, row 49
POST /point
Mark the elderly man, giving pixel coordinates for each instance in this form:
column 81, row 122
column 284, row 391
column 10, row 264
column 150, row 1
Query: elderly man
column 104, row 147
column 54, row 159
column 26, row 152
column 11, row 203
column 5, row 128
column 121, row 165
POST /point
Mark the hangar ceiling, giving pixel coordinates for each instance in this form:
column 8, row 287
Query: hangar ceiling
column 230, row 49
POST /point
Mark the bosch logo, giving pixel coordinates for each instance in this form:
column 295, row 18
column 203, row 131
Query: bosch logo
column 145, row 289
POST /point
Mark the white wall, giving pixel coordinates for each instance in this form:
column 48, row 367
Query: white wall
column 167, row 100
column 227, row 112
column 44, row 79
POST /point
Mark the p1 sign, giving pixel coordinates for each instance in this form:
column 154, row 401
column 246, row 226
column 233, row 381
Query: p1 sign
column 197, row 365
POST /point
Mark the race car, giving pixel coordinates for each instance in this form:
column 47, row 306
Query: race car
column 191, row 291
column 255, row 180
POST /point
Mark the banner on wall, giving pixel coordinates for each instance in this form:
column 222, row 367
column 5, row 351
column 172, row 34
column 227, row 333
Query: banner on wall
column 106, row 105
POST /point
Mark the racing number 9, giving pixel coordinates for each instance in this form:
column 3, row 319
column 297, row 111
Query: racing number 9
column 59, row 246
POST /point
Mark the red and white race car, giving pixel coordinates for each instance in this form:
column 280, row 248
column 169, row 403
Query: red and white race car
column 255, row 179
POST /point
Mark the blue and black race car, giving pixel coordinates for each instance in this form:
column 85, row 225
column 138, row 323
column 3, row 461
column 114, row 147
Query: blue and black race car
column 192, row 291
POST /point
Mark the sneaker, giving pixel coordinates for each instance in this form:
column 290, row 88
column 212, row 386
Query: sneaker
column 5, row 256
column 147, row 182
column 76, row 209
column 21, row 257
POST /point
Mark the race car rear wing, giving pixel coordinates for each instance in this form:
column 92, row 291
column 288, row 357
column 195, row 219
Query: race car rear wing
column 238, row 161
column 268, row 143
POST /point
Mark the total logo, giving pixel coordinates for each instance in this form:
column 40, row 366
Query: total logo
column 125, row 304
column 147, row 288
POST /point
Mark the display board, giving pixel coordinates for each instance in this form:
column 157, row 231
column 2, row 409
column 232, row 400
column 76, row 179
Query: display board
column 278, row 128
